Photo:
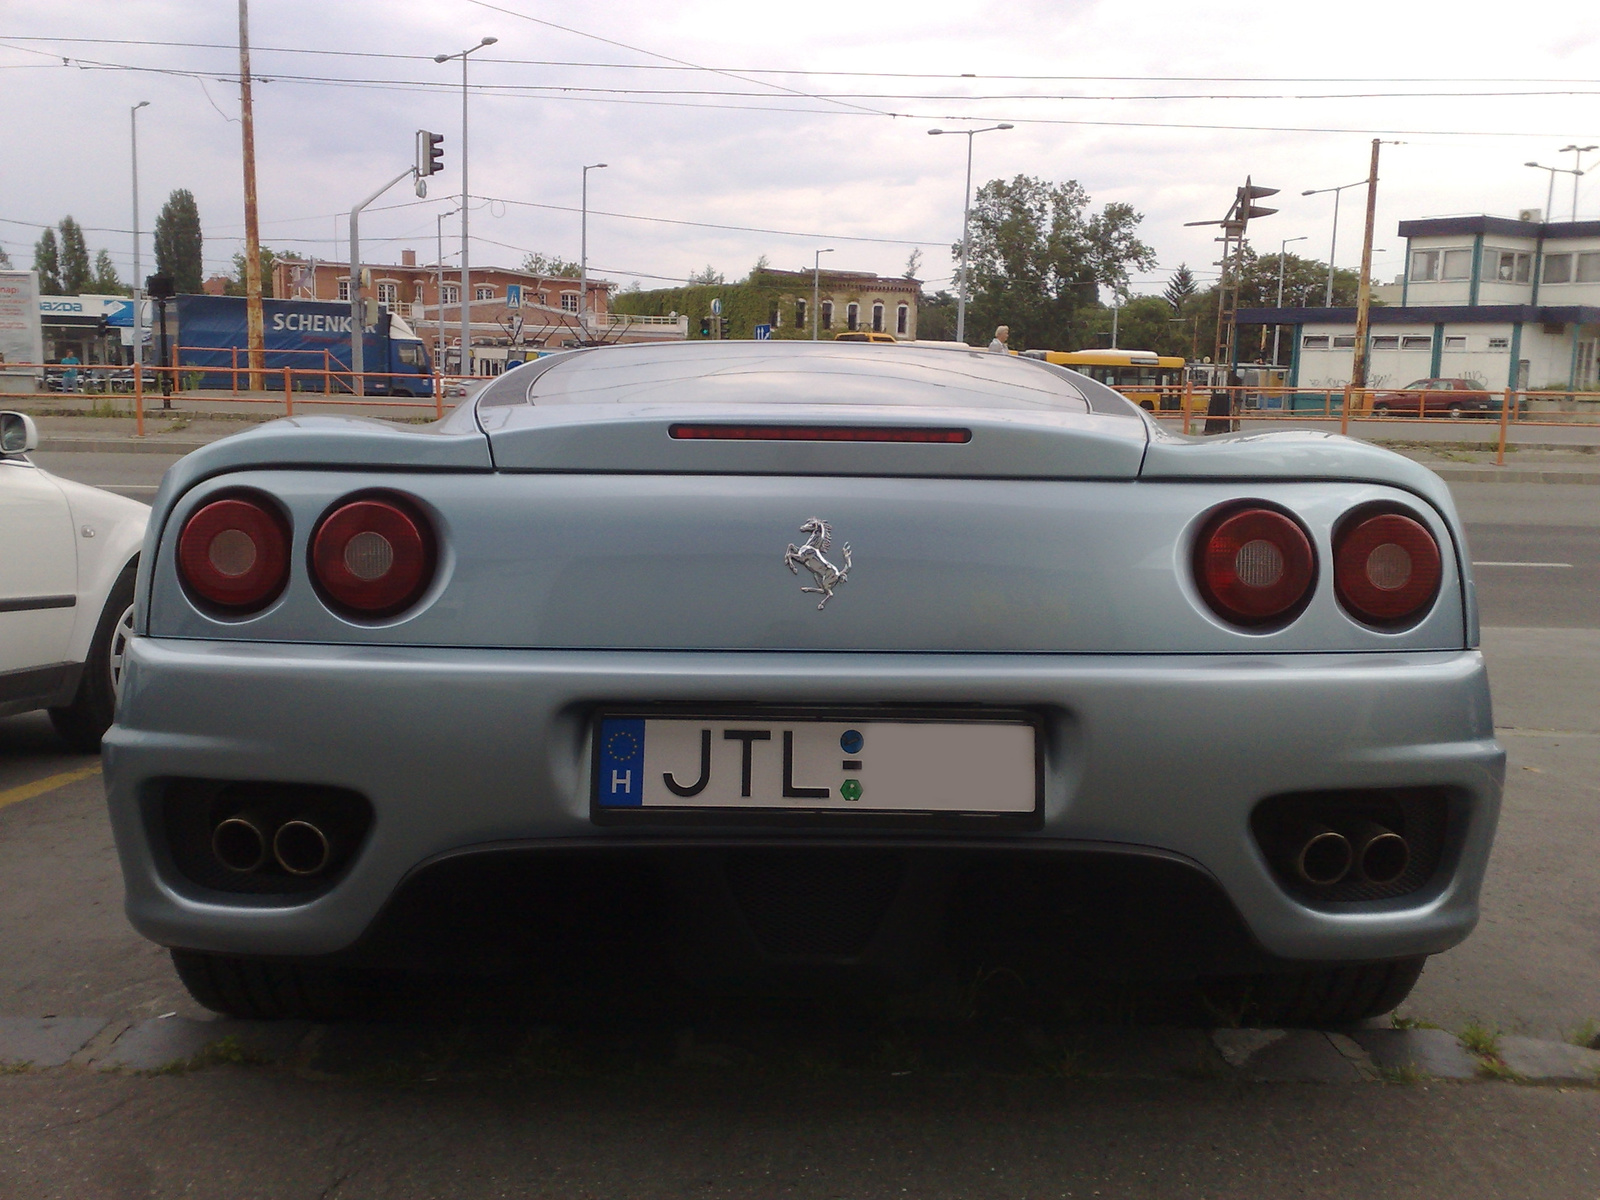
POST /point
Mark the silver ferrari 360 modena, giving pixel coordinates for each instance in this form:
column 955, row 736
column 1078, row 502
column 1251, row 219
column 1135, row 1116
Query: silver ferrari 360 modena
column 801, row 665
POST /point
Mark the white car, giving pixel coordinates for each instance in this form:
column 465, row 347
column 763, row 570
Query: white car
column 68, row 556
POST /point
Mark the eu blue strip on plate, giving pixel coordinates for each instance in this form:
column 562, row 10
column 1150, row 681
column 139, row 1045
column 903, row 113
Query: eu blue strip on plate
column 622, row 762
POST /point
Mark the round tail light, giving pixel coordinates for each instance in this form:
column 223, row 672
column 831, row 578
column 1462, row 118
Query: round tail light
column 373, row 556
column 1386, row 568
column 1254, row 566
column 233, row 553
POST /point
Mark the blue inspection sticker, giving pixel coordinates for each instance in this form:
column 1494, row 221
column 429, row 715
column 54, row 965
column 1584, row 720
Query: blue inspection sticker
column 621, row 779
column 851, row 741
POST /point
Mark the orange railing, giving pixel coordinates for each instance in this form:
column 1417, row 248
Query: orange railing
column 1222, row 409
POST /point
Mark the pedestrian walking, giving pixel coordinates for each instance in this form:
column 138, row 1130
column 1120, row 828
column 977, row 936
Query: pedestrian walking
column 69, row 377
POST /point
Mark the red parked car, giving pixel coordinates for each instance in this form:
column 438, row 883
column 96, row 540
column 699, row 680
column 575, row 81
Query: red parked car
column 1436, row 397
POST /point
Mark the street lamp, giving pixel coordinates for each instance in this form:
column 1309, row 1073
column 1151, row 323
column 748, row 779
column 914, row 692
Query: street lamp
column 1577, row 161
column 816, row 290
column 966, row 214
column 1550, row 192
column 466, row 271
column 1334, row 244
column 1276, row 330
column 583, row 254
column 438, row 237
column 138, row 300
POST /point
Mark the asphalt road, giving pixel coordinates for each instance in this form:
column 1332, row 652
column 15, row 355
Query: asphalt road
column 1533, row 966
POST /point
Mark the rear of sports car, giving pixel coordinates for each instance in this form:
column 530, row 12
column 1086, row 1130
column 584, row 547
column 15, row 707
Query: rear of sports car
column 791, row 666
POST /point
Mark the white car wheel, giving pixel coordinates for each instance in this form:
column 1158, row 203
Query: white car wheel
column 120, row 636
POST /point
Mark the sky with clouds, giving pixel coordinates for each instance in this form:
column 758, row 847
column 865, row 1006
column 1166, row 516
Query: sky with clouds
column 803, row 126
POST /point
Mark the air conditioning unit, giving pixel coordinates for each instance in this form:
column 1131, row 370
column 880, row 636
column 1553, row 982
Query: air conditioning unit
column 1536, row 215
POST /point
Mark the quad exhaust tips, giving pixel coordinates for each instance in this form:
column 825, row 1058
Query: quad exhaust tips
column 241, row 843
column 1374, row 855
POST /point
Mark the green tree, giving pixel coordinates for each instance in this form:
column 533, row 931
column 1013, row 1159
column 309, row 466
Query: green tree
column 47, row 262
column 5, row 260
column 1039, row 258
column 106, row 281
column 551, row 266
column 710, row 276
column 1180, row 287
column 178, row 242
column 936, row 317
column 76, row 275
column 269, row 258
column 913, row 265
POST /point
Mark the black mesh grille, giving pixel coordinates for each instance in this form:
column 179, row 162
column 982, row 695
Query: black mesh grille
column 814, row 903
column 1420, row 815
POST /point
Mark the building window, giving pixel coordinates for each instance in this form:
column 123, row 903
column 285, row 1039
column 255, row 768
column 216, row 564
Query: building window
column 483, row 293
column 852, row 316
column 1589, row 268
column 1386, row 342
column 1455, row 341
column 1344, row 341
column 1558, row 268
column 1456, row 264
column 419, row 292
column 388, row 293
column 877, row 318
column 344, row 289
column 569, row 301
column 1414, row 342
column 902, row 320
column 827, row 314
column 1314, row 341
column 775, row 318
column 1499, row 343
column 1424, row 266
column 800, row 314
column 1507, row 266
column 452, row 294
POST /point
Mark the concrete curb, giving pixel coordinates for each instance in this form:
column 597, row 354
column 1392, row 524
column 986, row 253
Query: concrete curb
column 1512, row 475
column 432, row 1051
column 115, row 445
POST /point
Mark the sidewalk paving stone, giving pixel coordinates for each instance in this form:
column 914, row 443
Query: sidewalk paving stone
column 1426, row 1051
column 44, row 1041
column 1549, row 1062
column 179, row 1041
column 1290, row 1056
column 1122, row 1052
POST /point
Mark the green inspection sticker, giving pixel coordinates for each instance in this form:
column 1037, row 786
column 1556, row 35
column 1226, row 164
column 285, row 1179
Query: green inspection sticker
column 850, row 789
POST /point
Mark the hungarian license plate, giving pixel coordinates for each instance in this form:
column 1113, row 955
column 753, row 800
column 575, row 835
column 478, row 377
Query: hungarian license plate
column 977, row 766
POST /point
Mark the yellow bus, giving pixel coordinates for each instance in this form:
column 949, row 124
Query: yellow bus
column 1152, row 381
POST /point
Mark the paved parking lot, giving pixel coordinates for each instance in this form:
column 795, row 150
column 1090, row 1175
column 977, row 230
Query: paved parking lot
column 858, row 1103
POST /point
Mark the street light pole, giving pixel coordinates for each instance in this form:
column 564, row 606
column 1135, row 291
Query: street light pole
column 438, row 236
column 816, row 290
column 1333, row 246
column 966, row 220
column 466, row 208
column 583, row 255
column 138, row 284
column 1577, row 161
column 1276, row 329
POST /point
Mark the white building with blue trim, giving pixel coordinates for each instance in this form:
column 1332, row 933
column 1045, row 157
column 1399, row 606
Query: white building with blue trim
column 1508, row 303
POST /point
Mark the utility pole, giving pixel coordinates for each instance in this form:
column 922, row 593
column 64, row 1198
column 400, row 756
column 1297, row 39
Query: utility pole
column 1232, row 264
column 1358, row 370
column 255, row 336
column 358, row 306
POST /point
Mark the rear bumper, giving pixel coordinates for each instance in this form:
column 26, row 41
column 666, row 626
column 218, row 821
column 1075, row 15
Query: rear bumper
column 462, row 750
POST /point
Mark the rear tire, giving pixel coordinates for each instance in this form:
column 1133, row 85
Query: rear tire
column 1327, row 996
column 1380, row 410
column 1455, row 412
column 267, row 990
column 83, row 722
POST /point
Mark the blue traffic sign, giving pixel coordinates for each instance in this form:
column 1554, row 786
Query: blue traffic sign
column 763, row 333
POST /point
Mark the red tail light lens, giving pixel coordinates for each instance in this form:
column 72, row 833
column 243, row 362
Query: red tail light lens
column 1386, row 568
column 1255, row 566
column 233, row 553
column 373, row 556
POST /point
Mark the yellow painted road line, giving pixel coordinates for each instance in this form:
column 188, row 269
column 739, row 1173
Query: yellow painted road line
column 48, row 784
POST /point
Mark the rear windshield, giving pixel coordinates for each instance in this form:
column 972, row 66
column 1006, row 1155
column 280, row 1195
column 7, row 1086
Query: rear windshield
column 797, row 373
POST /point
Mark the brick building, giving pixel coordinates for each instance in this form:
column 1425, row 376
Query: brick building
column 512, row 312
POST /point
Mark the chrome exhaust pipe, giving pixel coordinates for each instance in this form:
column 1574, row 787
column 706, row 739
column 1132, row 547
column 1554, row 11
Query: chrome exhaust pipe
column 1324, row 858
column 239, row 843
column 1381, row 855
column 301, row 848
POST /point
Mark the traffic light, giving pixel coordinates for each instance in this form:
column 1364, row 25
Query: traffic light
column 722, row 330
column 430, row 153
column 705, row 327
column 1246, row 211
